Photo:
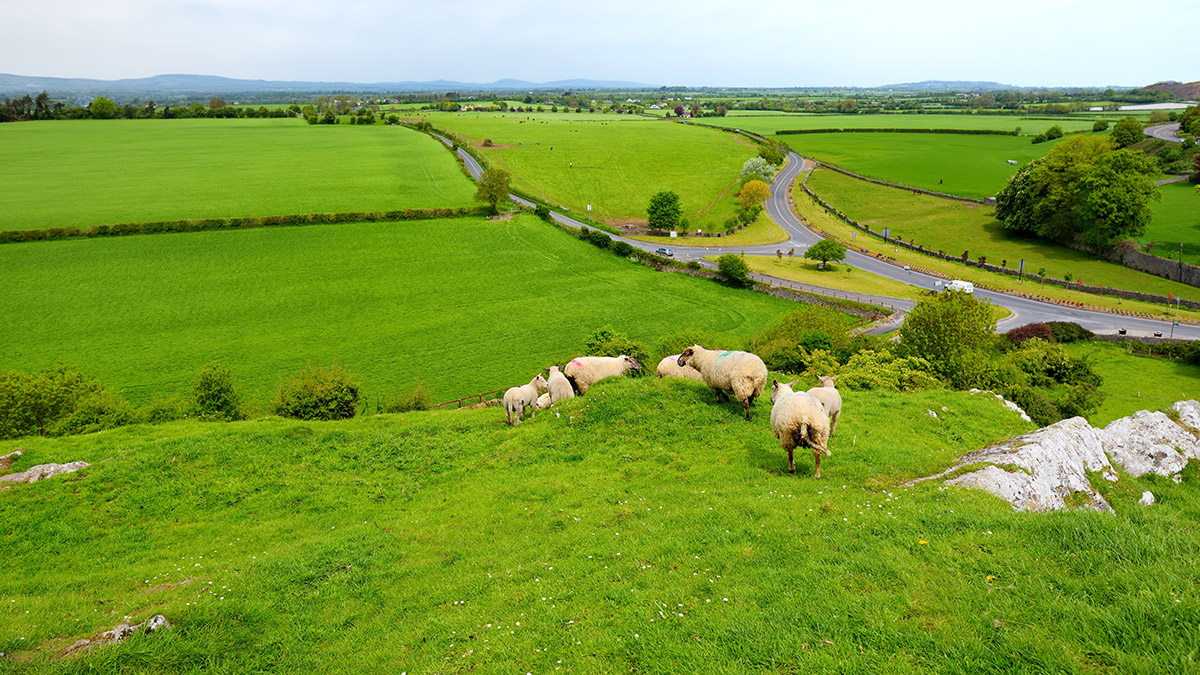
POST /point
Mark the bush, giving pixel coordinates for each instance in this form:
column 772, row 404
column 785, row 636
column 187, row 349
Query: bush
column 38, row 403
column 815, row 339
column 542, row 211
column 871, row 369
column 1054, row 132
column 1030, row 330
column 1063, row 332
column 97, row 411
column 951, row 330
column 419, row 398
column 606, row 341
column 214, row 395
column 318, row 394
column 1040, row 138
column 164, row 409
column 622, row 249
column 733, row 268
column 1100, row 125
column 598, row 238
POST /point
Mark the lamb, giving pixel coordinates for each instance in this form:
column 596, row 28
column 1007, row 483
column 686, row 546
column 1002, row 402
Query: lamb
column 669, row 367
column 543, row 402
column 829, row 397
column 560, row 387
column 584, row 371
column 740, row 373
column 797, row 418
column 517, row 399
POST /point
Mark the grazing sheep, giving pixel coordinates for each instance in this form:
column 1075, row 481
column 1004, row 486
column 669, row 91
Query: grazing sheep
column 517, row 399
column 829, row 397
column 585, row 371
column 669, row 367
column 799, row 419
column 560, row 386
column 544, row 401
column 739, row 373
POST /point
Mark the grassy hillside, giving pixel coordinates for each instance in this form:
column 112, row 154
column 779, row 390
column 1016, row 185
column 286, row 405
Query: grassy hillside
column 68, row 174
column 1136, row 382
column 463, row 305
column 1176, row 220
column 614, row 165
column 641, row 528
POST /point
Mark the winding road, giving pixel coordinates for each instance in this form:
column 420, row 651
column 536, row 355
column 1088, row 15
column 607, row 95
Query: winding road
column 1024, row 310
column 1164, row 132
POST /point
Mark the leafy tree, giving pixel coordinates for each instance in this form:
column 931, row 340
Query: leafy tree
column 102, row 108
column 1126, row 132
column 1016, row 202
column 772, row 151
column 753, row 194
column 826, row 250
column 679, row 111
column 41, row 106
column 216, row 104
column 664, row 211
column 214, row 395
column 1113, row 198
column 493, row 187
column 949, row 330
column 733, row 268
column 1190, row 115
column 1054, row 132
column 1100, row 125
column 760, row 166
column 1041, row 198
column 721, row 110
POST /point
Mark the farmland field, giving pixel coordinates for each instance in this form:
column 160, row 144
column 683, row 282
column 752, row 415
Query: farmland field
column 769, row 124
column 464, row 305
column 78, row 173
column 1176, row 220
column 613, row 162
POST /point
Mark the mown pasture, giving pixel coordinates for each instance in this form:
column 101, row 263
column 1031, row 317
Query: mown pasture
column 1176, row 221
column 767, row 125
column 614, row 163
column 463, row 305
column 1135, row 382
column 642, row 528
column 955, row 227
column 87, row 172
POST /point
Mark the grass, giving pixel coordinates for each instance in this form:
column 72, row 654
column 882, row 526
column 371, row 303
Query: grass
column 762, row 231
column 836, row 275
column 644, row 528
column 1133, row 383
column 615, row 165
column 78, row 173
column 954, row 227
column 1176, row 221
column 463, row 305
column 768, row 124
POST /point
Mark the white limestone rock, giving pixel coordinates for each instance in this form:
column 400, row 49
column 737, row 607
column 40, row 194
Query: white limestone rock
column 1189, row 413
column 1147, row 498
column 118, row 634
column 1149, row 442
column 1007, row 404
column 42, row 471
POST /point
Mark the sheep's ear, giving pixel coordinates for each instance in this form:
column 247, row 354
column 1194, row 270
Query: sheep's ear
column 774, row 383
column 792, row 383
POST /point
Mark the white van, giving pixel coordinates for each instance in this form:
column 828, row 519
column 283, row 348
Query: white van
column 961, row 286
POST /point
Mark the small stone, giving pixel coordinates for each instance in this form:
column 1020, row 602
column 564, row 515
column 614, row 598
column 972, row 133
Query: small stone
column 931, row 414
column 1147, row 498
column 1178, row 478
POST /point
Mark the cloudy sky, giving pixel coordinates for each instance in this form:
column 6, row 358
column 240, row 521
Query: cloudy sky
column 771, row 43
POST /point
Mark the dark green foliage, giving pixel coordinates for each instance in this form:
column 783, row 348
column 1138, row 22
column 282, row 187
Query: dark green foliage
column 318, row 393
column 542, row 211
column 95, row 412
column 1052, row 383
column 493, row 187
column 607, row 341
column 1039, row 138
column 164, row 408
column 1114, row 198
column 57, row 400
column 1030, row 330
column 733, row 268
column 664, row 210
column 1100, row 125
column 1068, row 331
column 420, row 398
column 1015, row 203
column 675, row 343
column 622, row 248
column 598, row 238
column 896, row 130
column 1126, row 132
column 214, row 394
column 953, row 331
column 826, row 250
column 1054, row 132
column 1189, row 352
column 815, row 339
column 773, row 152
column 797, row 340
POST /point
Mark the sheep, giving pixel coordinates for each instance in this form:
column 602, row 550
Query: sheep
column 669, row 367
column 829, row 397
column 517, row 399
column 740, row 373
column 584, row 371
column 560, row 387
column 544, row 401
column 798, row 418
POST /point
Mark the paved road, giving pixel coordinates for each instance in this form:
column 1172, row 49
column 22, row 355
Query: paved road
column 1024, row 310
column 1165, row 132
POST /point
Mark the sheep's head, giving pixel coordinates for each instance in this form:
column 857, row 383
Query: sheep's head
column 553, row 369
column 687, row 354
column 540, row 382
column 780, row 389
column 631, row 363
column 827, row 381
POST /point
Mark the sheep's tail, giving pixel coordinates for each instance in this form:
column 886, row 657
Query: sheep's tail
column 800, row 435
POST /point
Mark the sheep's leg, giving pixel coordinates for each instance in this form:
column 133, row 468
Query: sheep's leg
column 746, row 406
column 817, row 461
column 791, row 462
column 721, row 397
column 833, row 421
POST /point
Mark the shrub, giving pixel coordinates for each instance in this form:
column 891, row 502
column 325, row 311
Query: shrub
column 420, row 398
column 1100, row 125
column 1040, row 138
column 733, row 268
column 598, row 238
column 1063, row 332
column 1030, row 330
column 95, row 412
column 948, row 330
column 318, row 394
column 35, row 403
column 805, row 319
column 606, row 341
column 871, row 369
column 166, row 408
column 1036, row 403
column 622, row 249
column 214, row 395
column 1054, row 132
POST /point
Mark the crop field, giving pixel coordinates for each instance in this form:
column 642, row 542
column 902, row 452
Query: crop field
column 464, row 305
column 642, row 528
column 1176, row 220
column 78, row 173
column 615, row 165
column 952, row 226
column 768, row 124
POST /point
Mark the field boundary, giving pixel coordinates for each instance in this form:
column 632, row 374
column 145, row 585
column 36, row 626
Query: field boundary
column 244, row 223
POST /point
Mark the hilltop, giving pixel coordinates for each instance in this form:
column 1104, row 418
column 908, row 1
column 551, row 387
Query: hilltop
column 1189, row 91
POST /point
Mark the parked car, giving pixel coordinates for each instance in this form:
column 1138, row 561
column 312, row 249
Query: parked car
column 663, row 250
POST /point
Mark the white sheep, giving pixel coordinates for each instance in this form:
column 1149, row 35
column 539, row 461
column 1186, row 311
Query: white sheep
column 829, row 397
column 799, row 419
column 517, row 399
column 739, row 373
column 544, row 401
column 669, row 367
column 559, row 385
column 584, row 371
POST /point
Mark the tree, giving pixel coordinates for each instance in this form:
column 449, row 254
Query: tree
column 826, row 250
column 753, row 194
column 760, row 166
column 493, row 187
column 1100, row 125
column 664, row 211
column 772, row 151
column 216, row 104
column 102, row 108
column 721, row 110
column 1015, row 203
column 733, row 268
column 1126, row 132
column 950, row 330
column 1051, row 195
column 1113, row 198
column 41, row 106
column 679, row 111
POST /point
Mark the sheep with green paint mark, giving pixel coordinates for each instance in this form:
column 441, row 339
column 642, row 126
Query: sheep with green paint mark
column 799, row 419
column 741, row 374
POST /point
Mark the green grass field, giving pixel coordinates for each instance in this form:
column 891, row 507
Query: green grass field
column 612, row 162
column 1176, row 220
column 1134, row 383
column 77, row 173
column 762, row 231
column 954, row 227
column 464, row 305
column 837, row 275
column 644, row 528
column 768, row 124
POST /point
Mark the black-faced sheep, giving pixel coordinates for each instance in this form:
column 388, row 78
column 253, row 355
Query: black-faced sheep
column 517, row 399
column 827, row 393
column 584, row 371
column 669, row 367
column 799, row 419
column 559, row 386
column 739, row 373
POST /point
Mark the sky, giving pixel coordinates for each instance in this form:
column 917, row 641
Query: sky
column 771, row 43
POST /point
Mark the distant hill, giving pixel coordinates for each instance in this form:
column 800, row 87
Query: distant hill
column 950, row 85
column 184, row 86
column 1188, row 91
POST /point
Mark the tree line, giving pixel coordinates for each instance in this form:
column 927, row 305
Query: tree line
column 42, row 107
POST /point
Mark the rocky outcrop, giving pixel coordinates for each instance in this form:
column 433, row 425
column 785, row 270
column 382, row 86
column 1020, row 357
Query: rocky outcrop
column 42, row 471
column 1007, row 404
column 118, row 634
column 1189, row 414
column 1149, row 442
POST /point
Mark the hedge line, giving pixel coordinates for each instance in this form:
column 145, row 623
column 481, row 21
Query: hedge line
column 203, row 224
column 969, row 132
